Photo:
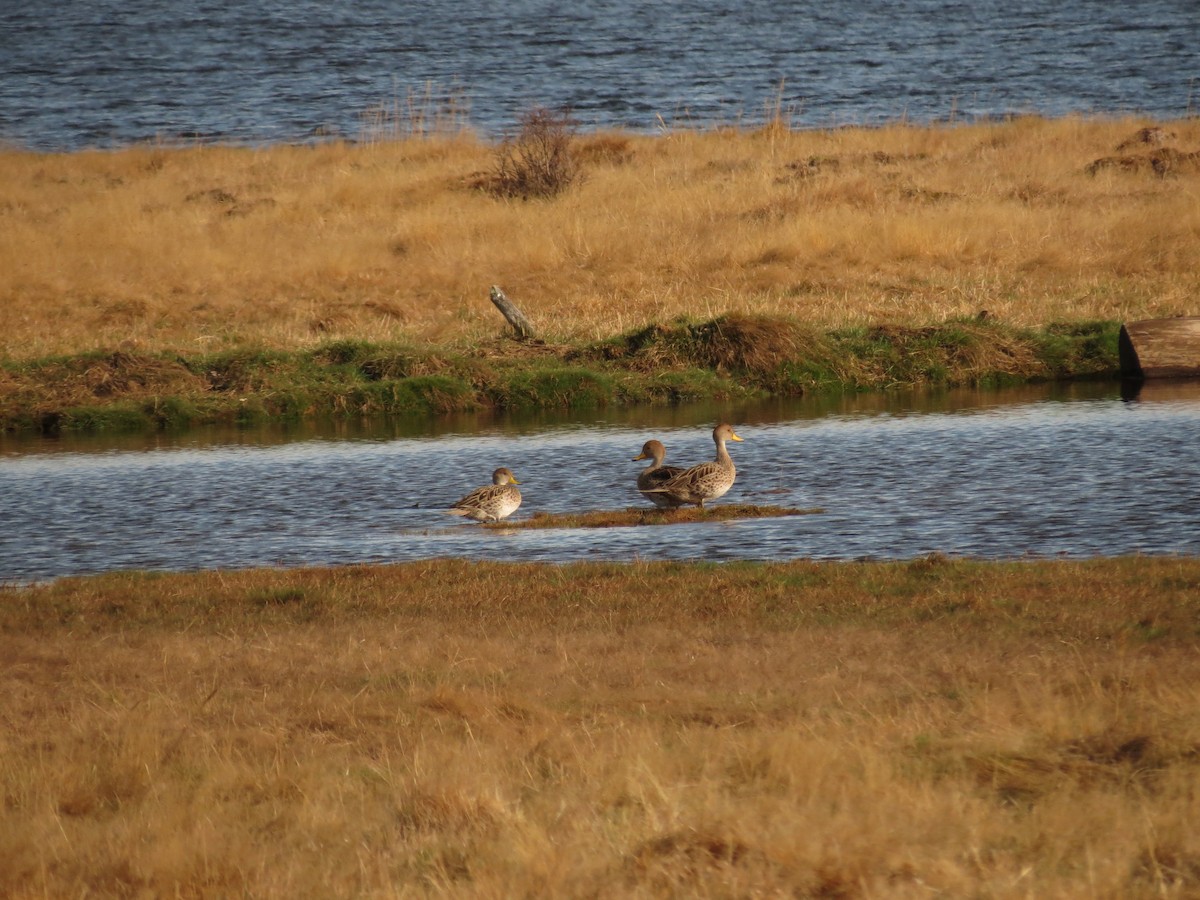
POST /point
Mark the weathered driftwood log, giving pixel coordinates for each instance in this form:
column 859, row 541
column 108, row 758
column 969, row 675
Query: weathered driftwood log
column 1160, row 348
column 515, row 317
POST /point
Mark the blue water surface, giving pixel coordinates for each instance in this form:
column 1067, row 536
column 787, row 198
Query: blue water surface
column 110, row 72
column 1035, row 474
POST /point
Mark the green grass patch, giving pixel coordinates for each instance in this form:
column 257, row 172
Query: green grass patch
column 1083, row 349
column 418, row 395
column 730, row 357
column 121, row 416
column 558, row 387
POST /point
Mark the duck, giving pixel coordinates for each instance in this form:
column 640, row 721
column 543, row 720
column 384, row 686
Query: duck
column 708, row 480
column 492, row 502
column 656, row 475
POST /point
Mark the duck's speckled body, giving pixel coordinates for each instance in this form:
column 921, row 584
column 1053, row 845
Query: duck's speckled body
column 706, row 481
column 492, row 502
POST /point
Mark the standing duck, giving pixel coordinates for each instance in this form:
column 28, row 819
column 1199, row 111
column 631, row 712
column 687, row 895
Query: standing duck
column 492, row 502
column 706, row 481
column 655, row 475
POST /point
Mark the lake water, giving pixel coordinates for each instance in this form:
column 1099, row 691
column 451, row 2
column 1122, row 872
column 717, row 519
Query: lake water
column 1049, row 471
column 110, row 72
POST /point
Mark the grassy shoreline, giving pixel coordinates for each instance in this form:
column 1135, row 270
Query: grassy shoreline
column 644, row 729
column 157, row 287
column 733, row 356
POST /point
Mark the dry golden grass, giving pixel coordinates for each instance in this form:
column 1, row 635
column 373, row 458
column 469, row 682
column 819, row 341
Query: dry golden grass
column 206, row 248
column 464, row 729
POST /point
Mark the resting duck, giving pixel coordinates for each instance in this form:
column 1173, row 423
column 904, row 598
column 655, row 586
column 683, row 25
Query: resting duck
column 706, row 481
column 655, row 475
column 492, row 502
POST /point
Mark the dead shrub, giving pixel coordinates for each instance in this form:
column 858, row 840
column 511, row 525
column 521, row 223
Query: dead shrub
column 539, row 162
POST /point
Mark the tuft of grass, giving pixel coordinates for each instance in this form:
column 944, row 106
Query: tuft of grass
column 1082, row 348
column 738, row 342
column 427, row 113
column 554, row 386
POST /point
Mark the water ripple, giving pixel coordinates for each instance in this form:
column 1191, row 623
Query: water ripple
column 1078, row 478
column 108, row 72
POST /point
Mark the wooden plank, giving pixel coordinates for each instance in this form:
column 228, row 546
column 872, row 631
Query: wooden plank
column 515, row 317
column 1160, row 348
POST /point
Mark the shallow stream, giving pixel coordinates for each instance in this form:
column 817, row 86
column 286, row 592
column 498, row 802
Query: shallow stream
column 1045, row 471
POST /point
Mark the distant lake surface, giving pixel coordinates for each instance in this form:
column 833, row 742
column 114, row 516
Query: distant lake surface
column 103, row 73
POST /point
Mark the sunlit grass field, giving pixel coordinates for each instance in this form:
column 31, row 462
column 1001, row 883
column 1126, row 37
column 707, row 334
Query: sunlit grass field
column 206, row 248
column 933, row 728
